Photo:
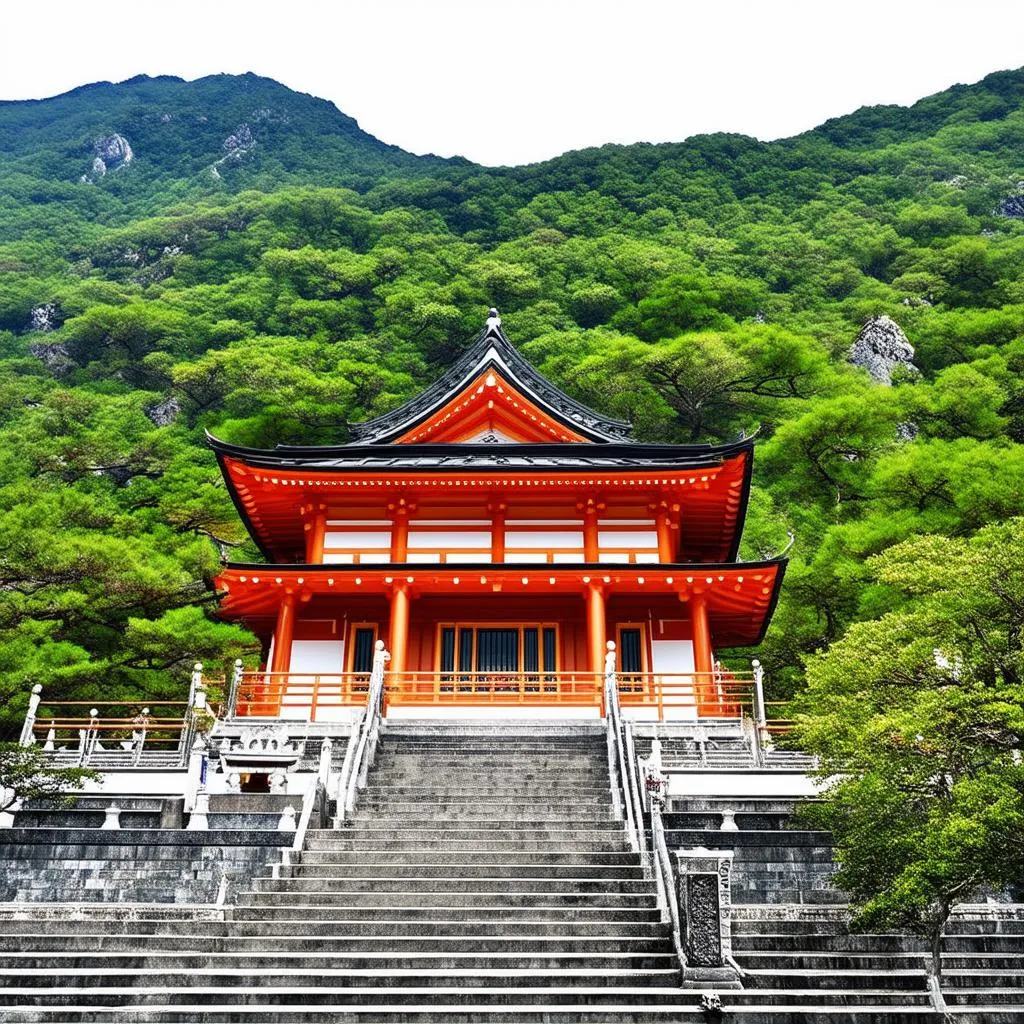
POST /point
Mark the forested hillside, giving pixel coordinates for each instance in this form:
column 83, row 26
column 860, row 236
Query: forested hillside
column 229, row 255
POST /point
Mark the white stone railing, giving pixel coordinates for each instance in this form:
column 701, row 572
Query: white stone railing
column 355, row 771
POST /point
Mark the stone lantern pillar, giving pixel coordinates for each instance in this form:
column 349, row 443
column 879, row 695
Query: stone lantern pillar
column 705, row 910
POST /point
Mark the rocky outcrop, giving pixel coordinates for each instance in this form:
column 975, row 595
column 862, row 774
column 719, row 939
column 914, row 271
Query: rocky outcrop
column 240, row 138
column 55, row 357
column 45, row 318
column 1012, row 205
column 882, row 348
column 236, row 145
column 165, row 412
column 111, row 152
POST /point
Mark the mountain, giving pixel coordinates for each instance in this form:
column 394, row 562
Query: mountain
column 243, row 130
column 227, row 254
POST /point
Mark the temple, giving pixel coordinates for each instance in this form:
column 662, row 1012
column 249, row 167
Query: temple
column 495, row 534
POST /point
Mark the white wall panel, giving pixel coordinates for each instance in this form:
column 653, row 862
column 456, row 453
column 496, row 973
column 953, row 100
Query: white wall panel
column 356, row 539
column 546, row 540
column 338, row 559
column 628, row 538
column 450, row 539
column 423, row 556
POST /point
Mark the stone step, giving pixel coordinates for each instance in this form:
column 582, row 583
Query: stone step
column 159, row 960
column 461, row 841
column 540, row 896
column 455, row 881
column 532, row 910
column 385, row 815
column 246, row 927
column 520, row 827
column 371, row 868
column 387, row 858
column 444, row 973
column 100, row 996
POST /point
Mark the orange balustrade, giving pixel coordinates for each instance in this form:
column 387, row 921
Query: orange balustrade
column 530, row 689
column 688, row 694
column 114, row 725
column 275, row 694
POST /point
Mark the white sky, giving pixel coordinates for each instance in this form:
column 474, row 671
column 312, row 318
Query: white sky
column 523, row 80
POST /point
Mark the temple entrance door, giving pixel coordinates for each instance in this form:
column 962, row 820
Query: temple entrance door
column 497, row 650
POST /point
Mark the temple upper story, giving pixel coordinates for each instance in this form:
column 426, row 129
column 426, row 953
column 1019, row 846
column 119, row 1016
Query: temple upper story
column 499, row 535
column 491, row 464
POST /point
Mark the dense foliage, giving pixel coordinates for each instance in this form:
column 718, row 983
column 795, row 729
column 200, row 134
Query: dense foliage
column 265, row 270
column 918, row 718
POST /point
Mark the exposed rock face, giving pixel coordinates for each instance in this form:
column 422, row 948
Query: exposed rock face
column 45, row 318
column 55, row 357
column 1013, row 205
column 882, row 347
column 164, row 413
column 111, row 152
column 241, row 138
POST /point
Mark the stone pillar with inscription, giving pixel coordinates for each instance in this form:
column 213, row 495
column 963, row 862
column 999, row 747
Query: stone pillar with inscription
column 705, row 911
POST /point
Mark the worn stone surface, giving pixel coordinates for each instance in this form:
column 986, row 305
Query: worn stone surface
column 55, row 357
column 165, row 412
column 1012, row 205
column 109, row 153
column 882, row 348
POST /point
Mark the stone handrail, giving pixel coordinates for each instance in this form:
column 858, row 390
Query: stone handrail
column 666, row 879
column 369, row 731
column 633, row 794
column 617, row 756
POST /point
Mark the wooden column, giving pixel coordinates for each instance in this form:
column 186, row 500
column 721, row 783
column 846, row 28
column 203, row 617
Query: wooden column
column 283, row 633
column 316, row 529
column 400, row 511
column 591, row 510
column 497, row 508
column 398, row 633
column 666, row 552
column 666, row 519
column 596, row 629
column 703, row 661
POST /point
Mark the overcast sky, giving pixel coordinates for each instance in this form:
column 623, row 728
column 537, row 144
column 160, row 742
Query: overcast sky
column 513, row 81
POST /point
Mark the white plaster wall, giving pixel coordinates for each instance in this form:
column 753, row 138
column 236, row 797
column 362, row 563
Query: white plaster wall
column 752, row 783
column 675, row 659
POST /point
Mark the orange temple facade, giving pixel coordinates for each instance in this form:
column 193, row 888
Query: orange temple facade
column 495, row 535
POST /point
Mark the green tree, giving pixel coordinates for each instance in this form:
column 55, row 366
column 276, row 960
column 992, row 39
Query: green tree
column 918, row 719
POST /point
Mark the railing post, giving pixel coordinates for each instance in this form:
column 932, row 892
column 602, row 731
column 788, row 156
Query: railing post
column 28, row 729
column 88, row 738
column 609, row 693
column 760, row 715
column 197, row 682
column 236, row 682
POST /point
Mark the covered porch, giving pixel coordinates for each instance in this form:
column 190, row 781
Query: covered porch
column 472, row 641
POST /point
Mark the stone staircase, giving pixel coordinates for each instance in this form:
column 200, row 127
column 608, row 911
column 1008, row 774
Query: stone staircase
column 483, row 879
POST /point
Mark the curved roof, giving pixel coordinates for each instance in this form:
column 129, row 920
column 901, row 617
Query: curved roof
column 492, row 350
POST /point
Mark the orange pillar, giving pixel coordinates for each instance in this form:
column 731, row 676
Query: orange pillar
column 590, row 537
column 400, row 535
column 595, row 628
column 703, row 660
column 398, row 634
column 283, row 633
column 497, row 508
column 666, row 549
column 316, row 530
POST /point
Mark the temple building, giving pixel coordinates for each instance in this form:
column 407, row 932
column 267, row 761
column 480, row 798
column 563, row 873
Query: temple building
column 495, row 534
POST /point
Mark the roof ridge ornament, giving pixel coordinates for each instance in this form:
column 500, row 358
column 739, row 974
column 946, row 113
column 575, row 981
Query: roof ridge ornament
column 493, row 324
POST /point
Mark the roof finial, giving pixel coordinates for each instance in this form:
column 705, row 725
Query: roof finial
column 493, row 320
